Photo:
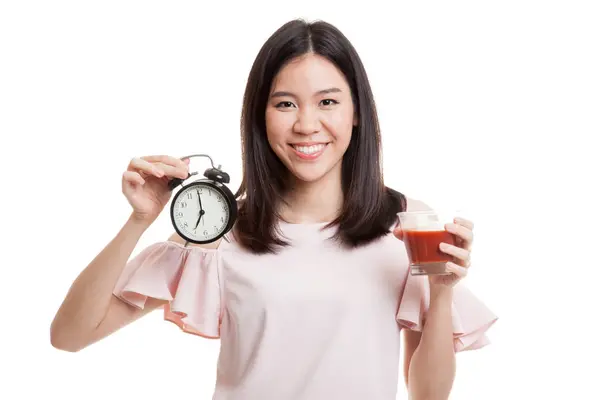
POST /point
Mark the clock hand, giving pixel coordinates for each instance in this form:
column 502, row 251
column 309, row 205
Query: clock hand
column 199, row 199
column 197, row 222
column 201, row 210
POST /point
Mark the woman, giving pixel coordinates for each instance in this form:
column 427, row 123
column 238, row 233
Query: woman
column 310, row 289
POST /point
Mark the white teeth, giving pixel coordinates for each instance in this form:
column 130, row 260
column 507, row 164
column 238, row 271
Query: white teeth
column 310, row 149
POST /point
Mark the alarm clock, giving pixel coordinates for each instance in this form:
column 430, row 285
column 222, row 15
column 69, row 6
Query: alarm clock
column 203, row 210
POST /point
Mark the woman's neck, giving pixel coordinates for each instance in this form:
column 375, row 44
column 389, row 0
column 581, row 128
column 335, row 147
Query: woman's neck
column 311, row 202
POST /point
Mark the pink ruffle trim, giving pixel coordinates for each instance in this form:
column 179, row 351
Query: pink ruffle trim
column 187, row 277
column 470, row 316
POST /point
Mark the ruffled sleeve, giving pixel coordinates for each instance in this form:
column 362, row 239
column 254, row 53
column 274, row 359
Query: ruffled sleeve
column 187, row 277
column 471, row 318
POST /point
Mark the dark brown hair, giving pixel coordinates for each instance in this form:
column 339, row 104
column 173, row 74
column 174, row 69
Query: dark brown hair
column 369, row 208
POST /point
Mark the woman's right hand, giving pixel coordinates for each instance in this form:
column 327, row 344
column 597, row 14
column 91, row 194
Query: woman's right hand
column 145, row 184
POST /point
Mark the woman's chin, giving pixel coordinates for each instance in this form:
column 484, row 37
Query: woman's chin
column 310, row 174
column 306, row 178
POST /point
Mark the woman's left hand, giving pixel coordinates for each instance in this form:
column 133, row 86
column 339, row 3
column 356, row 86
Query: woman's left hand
column 463, row 230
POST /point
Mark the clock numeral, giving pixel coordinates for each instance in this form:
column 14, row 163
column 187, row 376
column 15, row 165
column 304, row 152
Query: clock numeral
column 216, row 229
column 222, row 219
column 189, row 195
column 183, row 204
column 185, row 224
column 210, row 193
column 224, row 207
column 180, row 214
column 218, row 199
column 205, row 233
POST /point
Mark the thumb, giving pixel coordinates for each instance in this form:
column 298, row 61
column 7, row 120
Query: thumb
column 398, row 233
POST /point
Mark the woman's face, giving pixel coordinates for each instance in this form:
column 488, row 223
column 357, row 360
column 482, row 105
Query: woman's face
column 309, row 117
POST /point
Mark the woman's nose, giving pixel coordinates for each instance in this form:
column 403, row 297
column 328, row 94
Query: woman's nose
column 307, row 122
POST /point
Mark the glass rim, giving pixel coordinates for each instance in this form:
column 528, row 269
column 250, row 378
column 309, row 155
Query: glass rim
column 420, row 212
column 443, row 214
column 431, row 211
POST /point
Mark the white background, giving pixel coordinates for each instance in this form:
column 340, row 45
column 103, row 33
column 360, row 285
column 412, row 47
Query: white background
column 488, row 106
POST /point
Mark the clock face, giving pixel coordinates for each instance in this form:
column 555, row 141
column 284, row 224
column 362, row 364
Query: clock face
column 200, row 212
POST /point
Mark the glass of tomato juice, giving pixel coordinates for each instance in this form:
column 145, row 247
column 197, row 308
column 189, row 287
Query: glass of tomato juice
column 422, row 233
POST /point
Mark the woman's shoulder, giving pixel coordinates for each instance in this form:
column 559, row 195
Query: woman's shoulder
column 413, row 204
column 176, row 238
column 408, row 204
column 402, row 202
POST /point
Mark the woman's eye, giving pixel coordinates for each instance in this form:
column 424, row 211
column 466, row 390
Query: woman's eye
column 285, row 104
column 289, row 104
column 329, row 102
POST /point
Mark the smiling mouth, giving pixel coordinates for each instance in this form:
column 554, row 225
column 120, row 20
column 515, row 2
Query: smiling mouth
column 309, row 150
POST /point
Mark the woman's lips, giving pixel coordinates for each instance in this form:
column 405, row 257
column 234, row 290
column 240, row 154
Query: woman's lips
column 309, row 152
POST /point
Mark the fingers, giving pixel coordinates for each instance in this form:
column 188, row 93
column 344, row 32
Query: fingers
column 169, row 170
column 398, row 233
column 462, row 232
column 133, row 178
column 142, row 166
column 159, row 166
column 459, row 271
column 167, row 160
column 461, row 254
column 464, row 222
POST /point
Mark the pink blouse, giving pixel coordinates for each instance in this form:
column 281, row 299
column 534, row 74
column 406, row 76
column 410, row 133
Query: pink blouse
column 312, row 322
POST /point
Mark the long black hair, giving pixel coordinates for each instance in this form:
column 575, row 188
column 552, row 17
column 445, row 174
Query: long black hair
column 369, row 207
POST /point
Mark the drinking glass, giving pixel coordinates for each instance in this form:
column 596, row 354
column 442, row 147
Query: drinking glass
column 422, row 233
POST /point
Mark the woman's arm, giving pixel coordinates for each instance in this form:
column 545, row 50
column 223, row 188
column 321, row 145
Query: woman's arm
column 90, row 298
column 91, row 311
column 429, row 361
column 429, row 356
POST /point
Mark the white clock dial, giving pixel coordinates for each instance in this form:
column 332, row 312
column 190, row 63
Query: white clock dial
column 201, row 212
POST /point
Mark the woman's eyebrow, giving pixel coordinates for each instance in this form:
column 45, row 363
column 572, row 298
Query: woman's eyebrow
column 283, row 93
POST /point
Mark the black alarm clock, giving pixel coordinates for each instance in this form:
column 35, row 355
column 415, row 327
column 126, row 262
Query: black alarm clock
column 204, row 210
